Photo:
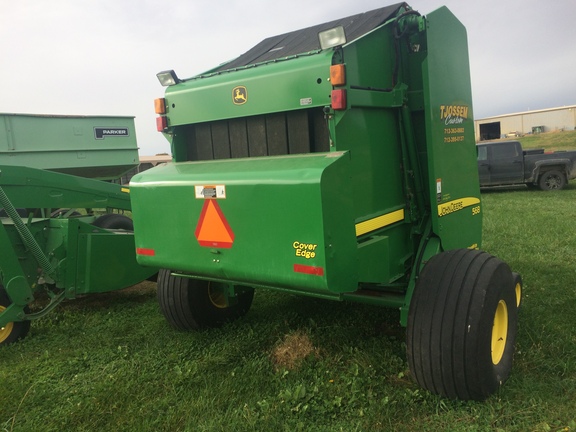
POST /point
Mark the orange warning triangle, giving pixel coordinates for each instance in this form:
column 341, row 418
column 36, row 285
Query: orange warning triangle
column 213, row 229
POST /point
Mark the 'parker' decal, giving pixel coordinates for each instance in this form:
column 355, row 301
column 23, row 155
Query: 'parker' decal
column 103, row 132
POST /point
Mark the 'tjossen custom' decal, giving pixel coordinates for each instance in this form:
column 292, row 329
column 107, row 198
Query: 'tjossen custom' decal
column 453, row 117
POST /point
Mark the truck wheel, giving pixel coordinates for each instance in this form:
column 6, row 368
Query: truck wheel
column 462, row 325
column 190, row 304
column 551, row 180
column 114, row 221
column 15, row 330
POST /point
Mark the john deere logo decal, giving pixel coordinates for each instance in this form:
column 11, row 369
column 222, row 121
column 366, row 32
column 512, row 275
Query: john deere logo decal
column 239, row 95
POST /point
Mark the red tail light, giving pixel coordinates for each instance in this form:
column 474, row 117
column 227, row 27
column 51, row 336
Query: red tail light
column 161, row 123
column 339, row 99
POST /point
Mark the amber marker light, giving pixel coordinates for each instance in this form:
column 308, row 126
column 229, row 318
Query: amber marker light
column 160, row 106
column 338, row 75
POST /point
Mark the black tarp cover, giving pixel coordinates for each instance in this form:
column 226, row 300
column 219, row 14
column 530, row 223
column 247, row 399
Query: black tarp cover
column 306, row 40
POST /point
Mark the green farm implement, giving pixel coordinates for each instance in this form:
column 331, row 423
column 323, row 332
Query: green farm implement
column 339, row 162
column 53, row 243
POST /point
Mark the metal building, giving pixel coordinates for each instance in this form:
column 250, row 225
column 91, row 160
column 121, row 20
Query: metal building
column 528, row 122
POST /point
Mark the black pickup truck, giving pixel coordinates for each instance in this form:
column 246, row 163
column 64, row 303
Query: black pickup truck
column 506, row 163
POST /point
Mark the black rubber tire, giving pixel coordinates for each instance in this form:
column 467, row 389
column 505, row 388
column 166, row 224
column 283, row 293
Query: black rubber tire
column 450, row 333
column 187, row 305
column 14, row 331
column 114, row 221
column 552, row 180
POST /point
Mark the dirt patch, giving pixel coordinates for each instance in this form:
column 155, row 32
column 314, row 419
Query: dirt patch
column 292, row 350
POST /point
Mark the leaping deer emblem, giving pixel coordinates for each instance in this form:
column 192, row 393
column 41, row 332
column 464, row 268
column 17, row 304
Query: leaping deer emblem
column 239, row 95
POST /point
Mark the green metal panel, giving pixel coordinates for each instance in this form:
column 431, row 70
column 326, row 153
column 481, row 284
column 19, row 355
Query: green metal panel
column 290, row 218
column 106, row 262
column 453, row 173
column 301, row 82
column 88, row 146
column 35, row 188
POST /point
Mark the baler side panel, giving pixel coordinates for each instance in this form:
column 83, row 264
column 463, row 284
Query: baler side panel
column 370, row 130
column 453, row 176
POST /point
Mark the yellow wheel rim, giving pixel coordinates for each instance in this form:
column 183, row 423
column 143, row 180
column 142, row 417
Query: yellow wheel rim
column 5, row 331
column 499, row 332
column 518, row 291
column 216, row 295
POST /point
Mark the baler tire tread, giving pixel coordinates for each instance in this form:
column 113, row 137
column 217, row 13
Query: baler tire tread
column 172, row 297
column 186, row 304
column 114, row 221
column 450, row 323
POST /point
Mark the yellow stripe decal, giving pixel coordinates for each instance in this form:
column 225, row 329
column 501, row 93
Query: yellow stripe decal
column 126, row 190
column 379, row 222
column 456, row 205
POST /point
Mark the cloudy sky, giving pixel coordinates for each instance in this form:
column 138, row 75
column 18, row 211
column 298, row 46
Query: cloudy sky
column 100, row 57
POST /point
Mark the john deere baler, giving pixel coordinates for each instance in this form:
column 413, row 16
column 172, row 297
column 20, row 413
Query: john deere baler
column 336, row 161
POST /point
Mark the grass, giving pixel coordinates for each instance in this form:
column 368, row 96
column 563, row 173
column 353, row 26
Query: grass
column 558, row 140
column 111, row 362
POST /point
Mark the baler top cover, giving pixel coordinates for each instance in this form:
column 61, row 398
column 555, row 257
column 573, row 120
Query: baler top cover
column 306, row 40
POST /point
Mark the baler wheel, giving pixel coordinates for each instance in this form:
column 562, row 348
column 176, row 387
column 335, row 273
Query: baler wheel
column 190, row 304
column 15, row 330
column 114, row 221
column 462, row 325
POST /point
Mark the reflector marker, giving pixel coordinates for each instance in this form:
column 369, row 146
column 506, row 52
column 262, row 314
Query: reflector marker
column 145, row 251
column 379, row 222
column 311, row 270
column 213, row 229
